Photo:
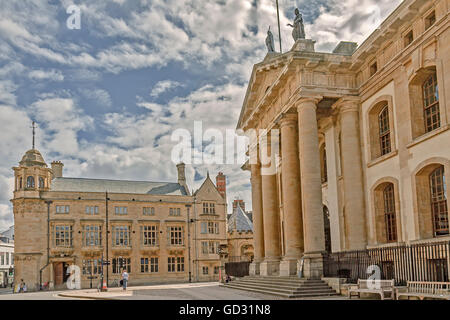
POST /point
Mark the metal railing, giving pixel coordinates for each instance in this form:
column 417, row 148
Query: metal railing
column 416, row 262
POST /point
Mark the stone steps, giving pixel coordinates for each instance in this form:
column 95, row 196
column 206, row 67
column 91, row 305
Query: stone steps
column 288, row 287
column 282, row 293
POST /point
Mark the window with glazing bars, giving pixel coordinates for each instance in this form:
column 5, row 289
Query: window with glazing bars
column 389, row 213
column 92, row 235
column 385, row 131
column 431, row 111
column 439, row 202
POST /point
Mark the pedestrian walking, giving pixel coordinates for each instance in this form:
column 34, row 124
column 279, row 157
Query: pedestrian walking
column 124, row 279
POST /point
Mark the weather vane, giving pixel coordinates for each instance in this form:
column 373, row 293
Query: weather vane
column 33, row 126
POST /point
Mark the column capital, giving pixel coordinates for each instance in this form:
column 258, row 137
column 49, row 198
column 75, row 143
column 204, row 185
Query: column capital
column 347, row 104
column 288, row 119
column 308, row 100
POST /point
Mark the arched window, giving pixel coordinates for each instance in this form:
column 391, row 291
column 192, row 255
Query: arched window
column 431, row 104
column 439, row 202
column 41, row 183
column 389, row 213
column 384, row 131
column 30, row 182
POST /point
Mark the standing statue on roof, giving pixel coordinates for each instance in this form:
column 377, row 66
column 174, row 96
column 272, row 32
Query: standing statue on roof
column 270, row 42
column 299, row 29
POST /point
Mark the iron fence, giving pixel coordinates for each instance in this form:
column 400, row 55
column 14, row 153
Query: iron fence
column 416, row 262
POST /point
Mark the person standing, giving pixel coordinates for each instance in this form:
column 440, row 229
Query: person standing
column 125, row 279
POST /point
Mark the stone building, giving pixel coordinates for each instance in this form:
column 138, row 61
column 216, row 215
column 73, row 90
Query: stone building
column 158, row 232
column 240, row 234
column 364, row 135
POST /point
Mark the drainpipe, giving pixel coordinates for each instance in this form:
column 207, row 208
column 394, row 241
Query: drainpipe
column 48, row 244
column 188, row 206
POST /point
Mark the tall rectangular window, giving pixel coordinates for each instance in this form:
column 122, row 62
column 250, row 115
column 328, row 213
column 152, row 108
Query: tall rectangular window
column 385, row 131
column 118, row 264
column 149, row 235
column 431, row 111
column 121, row 236
column 176, row 236
column 62, row 235
column 92, row 235
column 430, row 20
column 203, row 228
column 171, row 264
column 204, row 247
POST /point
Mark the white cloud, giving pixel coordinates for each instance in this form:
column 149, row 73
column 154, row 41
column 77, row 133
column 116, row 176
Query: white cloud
column 163, row 86
column 53, row 75
column 102, row 97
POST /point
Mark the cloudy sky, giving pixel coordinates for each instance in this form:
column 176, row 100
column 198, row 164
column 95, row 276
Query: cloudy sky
column 107, row 97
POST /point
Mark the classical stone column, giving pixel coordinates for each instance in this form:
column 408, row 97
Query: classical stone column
column 271, row 213
column 355, row 224
column 290, row 179
column 258, row 222
column 313, row 223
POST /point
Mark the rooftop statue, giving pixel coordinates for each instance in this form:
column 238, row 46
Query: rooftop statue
column 299, row 29
column 270, row 42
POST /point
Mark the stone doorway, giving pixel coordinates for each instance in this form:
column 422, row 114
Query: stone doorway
column 60, row 274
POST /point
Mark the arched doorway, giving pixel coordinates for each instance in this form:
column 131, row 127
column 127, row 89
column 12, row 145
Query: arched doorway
column 327, row 228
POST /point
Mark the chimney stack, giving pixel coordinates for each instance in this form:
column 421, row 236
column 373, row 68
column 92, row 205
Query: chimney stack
column 181, row 173
column 57, row 169
column 221, row 184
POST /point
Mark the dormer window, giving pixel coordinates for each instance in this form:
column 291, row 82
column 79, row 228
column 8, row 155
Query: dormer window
column 30, row 182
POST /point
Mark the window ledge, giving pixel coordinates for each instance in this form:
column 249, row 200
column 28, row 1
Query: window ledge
column 427, row 136
column 382, row 158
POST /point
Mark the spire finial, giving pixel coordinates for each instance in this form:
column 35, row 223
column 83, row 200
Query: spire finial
column 33, row 126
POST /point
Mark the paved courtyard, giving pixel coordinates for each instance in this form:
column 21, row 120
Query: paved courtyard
column 198, row 291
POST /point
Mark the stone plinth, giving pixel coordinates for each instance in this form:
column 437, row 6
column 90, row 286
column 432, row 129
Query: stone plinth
column 313, row 266
column 288, row 267
column 306, row 45
column 254, row 269
column 269, row 268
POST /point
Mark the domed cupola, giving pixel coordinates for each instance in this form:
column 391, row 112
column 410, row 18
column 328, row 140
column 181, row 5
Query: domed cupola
column 32, row 175
column 33, row 158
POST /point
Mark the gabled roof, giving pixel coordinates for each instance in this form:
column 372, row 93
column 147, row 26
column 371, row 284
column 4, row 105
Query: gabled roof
column 239, row 221
column 117, row 186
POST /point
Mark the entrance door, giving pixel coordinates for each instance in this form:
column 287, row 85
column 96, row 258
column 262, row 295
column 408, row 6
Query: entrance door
column 60, row 270
column 59, row 275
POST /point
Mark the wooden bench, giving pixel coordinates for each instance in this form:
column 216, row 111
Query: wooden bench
column 381, row 287
column 424, row 289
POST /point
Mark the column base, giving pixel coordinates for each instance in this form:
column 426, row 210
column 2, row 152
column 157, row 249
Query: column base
column 288, row 267
column 269, row 268
column 312, row 266
column 255, row 268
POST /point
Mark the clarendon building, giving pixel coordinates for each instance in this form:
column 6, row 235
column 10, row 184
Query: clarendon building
column 158, row 232
column 364, row 139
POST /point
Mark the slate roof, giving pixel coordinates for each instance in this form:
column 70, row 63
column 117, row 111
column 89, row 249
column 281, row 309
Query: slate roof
column 239, row 221
column 117, row 186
